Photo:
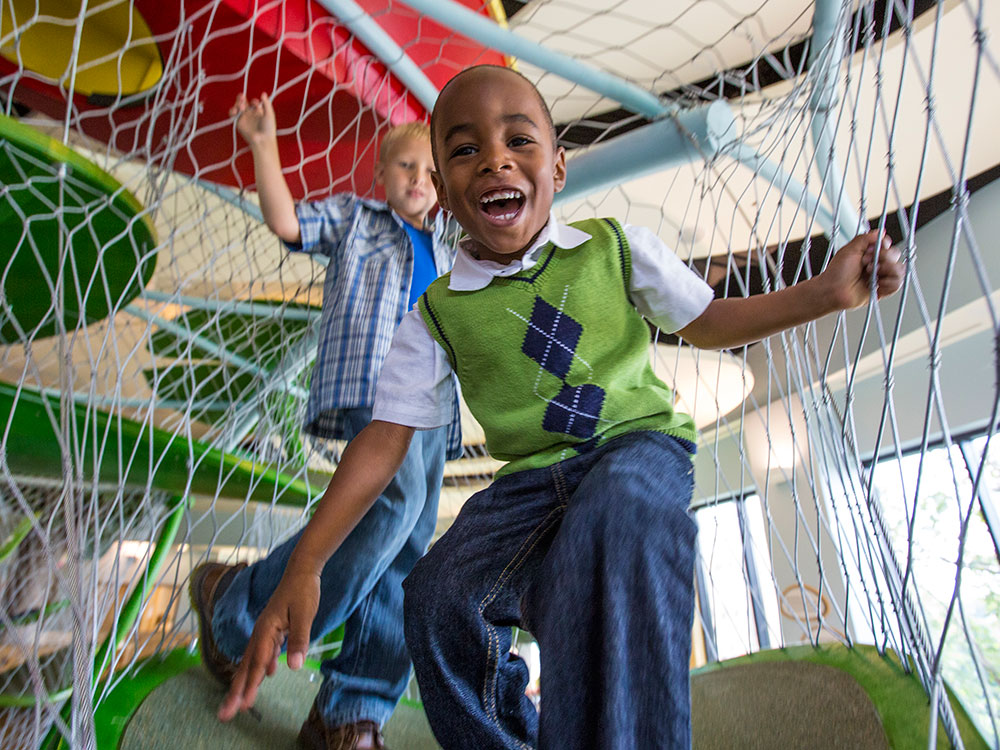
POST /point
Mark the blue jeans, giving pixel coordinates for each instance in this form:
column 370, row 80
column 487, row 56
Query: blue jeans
column 360, row 586
column 594, row 556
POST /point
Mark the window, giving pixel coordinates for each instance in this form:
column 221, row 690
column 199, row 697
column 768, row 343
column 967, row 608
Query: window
column 737, row 605
column 950, row 560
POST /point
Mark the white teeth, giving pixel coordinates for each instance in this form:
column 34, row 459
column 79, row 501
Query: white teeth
column 501, row 195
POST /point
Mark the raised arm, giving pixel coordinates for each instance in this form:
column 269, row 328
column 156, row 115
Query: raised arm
column 368, row 464
column 844, row 285
column 256, row 123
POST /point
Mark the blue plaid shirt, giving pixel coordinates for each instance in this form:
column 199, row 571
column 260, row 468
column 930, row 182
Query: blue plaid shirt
column 364, row 299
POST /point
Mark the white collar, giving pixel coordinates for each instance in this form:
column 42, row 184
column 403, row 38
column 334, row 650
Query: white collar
column 469, row 274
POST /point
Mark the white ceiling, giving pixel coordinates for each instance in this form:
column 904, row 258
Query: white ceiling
column 703, row 212
column 655, row 45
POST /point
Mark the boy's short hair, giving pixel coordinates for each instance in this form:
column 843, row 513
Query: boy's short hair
column 541, row 100
column 401, row 132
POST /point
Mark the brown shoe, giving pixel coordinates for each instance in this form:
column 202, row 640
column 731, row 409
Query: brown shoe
column 362, row 735
column 207, row 583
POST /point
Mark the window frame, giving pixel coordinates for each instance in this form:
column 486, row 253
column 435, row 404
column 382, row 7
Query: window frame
column 752, row 576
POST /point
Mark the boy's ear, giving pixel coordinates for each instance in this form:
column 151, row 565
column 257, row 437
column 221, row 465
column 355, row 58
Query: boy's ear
column 559, row 171
column 379, row 173
column 440, row 189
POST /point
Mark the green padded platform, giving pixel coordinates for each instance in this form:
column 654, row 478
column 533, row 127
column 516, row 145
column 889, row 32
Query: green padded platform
column 818, row 698
column 801, row 697
column 783, row 705
column 180, row 713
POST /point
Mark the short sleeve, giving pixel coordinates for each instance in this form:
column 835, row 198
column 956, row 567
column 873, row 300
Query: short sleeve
column 415, row 386
column 324, row 224
column 663, row 289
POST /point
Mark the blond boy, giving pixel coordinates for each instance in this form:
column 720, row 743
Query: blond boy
column 382, row 255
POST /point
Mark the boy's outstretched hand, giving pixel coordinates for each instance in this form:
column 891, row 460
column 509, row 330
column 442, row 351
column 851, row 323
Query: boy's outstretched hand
column 849, row 273
column 255, row 119
column 289, row 613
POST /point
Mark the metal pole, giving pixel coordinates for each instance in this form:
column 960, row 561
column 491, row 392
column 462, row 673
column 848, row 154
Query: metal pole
column 384, row 48
column 489, row 34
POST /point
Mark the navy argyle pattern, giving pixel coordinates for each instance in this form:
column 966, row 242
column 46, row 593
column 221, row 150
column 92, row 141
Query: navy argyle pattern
column 575, row 410
column 551, row 341
column 551, row 338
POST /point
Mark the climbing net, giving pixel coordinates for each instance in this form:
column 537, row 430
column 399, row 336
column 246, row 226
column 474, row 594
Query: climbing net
column 156, row 341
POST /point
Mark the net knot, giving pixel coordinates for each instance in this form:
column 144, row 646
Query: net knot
column 960, row 198
column 935, row 359
column 929, row 101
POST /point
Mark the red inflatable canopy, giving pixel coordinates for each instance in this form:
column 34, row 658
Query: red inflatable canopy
column 333, row 99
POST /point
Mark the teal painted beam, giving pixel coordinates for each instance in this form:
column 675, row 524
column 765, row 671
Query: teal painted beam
column 826, row 51
column 233, row 198
column 288, row 370
column 469, row 23
column 257, row 309
column 687, row 136
column 384, row 48
column 785, row 184
column 110, row 402
column 684, row 137
column 211, row 347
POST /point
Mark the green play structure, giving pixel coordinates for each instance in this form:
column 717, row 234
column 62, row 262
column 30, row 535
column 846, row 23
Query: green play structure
column 63, row 218
column 75, row 244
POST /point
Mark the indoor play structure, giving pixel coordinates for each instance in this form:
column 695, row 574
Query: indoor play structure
column 156, row 341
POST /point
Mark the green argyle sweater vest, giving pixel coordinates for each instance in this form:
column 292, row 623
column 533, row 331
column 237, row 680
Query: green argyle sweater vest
column 555, row 360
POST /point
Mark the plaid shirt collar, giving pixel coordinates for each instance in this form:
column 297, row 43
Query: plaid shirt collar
column 435, row 225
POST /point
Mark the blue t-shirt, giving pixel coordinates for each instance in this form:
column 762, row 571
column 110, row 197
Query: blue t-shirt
column 424, row 271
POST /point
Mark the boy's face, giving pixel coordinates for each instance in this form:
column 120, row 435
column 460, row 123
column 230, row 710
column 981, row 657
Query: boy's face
column 405, row 175
column 498, row 167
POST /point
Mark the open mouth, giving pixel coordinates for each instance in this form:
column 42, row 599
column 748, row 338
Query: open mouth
column 502, row 205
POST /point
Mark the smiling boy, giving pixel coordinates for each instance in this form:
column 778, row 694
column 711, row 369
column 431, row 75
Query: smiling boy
column 382, row 255
column 584, row 538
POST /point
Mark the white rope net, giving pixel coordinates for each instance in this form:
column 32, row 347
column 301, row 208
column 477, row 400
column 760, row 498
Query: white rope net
column 156, row 341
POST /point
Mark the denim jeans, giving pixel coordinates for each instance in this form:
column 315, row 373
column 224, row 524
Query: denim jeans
column 594, row 556
column 360, row 586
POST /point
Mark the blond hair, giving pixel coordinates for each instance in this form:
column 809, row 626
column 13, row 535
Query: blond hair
column 401, row 132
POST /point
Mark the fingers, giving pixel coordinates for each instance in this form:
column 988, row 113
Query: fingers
column 233, row 701
column 272, row 667
column 886, row 265
column 242, row 691
column 241, row 104
column 886, row 254
column 289, row 613
column 298, row 640
column 890, row 272
column 863, row 242
column 882, row 245
column 259, row 659
column 259, row 107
